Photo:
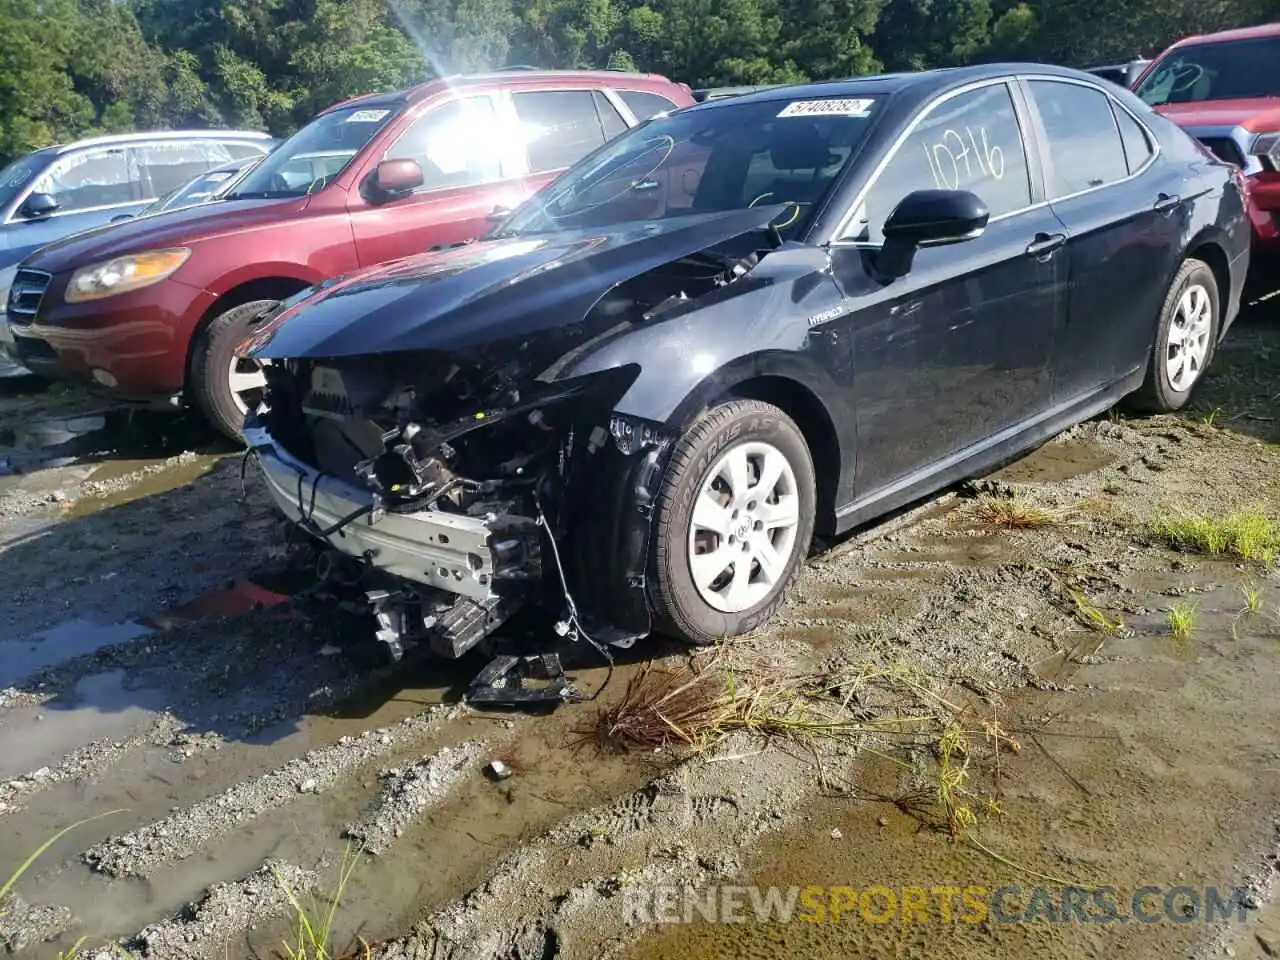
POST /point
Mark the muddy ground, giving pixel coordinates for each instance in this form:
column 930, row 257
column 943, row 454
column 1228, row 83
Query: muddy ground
column 154, row 675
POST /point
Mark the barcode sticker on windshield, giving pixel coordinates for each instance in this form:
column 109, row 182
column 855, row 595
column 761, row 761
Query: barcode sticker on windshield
column 827, row 108
column 367, row 116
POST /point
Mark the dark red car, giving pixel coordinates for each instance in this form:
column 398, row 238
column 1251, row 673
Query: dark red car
column 1224, row 90
column 152, row 309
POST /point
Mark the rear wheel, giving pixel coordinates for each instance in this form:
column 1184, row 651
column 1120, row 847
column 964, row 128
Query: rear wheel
column 1185, row 339
column 223, row 386
column 733, row 524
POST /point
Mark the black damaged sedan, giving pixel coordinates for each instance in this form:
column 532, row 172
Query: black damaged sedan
column 637, row 400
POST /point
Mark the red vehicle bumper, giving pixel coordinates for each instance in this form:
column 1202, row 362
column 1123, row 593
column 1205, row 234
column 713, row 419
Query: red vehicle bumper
column 134, row 344
column 1263, row 205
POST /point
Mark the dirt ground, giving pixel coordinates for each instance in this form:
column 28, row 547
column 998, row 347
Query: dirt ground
column 228, row 740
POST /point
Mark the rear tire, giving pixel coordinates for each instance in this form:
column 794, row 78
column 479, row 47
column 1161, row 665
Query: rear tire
column 1186, row 338
column 733, row 523
column 222, row 387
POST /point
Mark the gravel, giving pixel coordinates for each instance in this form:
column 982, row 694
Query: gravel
column 411, row 790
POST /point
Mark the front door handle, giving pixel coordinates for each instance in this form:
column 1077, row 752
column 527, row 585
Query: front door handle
column 1166, row 202
column 1045, row 243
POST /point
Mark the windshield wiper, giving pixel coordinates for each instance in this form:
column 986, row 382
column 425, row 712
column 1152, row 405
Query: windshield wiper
column 260, row 195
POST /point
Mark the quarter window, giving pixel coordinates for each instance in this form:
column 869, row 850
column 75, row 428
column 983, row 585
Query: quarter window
column 968, row 142
column 560, row 127
column 1085, row 150
column 609, row 116
column 100, row 177
column 644, row 105
column 1137, row 146
column 454, row 144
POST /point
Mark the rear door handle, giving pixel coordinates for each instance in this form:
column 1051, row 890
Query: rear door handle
column 1045, row 243
column 1166, row 202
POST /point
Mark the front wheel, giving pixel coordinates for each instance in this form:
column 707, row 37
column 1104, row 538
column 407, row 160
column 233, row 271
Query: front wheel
column 733, row 523
column 1185, row 339
column 223, row 386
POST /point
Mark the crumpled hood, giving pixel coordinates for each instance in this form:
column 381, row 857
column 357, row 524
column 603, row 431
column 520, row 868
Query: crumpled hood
column 174, row 228
column 1260, row 114
column 475, row 295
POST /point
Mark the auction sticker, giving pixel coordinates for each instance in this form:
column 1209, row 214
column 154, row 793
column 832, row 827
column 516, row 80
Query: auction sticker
column 827, row 108
column 367, row 116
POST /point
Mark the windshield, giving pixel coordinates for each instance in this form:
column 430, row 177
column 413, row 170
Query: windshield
column 315, row 154
column 15, row 177
column 1232, row 70
column 207, row 186
column 718, row 158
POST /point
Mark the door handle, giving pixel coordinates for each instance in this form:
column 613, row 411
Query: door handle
column 497, row 214
column 1166, row 202
column 1045, row 243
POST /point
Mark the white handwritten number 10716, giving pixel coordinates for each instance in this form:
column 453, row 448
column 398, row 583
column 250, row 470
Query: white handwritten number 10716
column 962, row 157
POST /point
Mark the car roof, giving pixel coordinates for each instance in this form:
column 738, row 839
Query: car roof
column 515, row 74
column 920, row 84
column 1223, row 36
column 127, row 138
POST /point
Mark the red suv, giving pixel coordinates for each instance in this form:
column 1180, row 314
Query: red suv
column 153, row 308
column 1224, row 90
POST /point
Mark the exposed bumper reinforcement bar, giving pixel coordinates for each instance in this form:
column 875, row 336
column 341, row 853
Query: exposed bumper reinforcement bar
column 436, row 549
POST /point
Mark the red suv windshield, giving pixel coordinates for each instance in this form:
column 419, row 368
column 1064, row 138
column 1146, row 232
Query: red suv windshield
column 1227, row 70
column 315, row 154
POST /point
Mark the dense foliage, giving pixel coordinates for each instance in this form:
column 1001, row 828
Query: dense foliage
column 72, row 67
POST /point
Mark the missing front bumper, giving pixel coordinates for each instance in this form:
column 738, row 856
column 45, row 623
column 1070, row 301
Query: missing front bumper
column 431, row 548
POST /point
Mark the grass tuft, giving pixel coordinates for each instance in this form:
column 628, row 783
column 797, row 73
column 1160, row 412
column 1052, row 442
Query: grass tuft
column 313, row 925
column 1016, row 513
column 1182, row 621
column 696, row 708
column 1246, row 533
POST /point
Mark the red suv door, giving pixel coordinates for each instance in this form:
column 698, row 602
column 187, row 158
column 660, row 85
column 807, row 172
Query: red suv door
column 469, row 166
column 480, row 152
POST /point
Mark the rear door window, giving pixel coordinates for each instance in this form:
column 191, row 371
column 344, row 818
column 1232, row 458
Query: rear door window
column 91, row 178
column 644, row 104
column 454, row 144
column 1084, row 146
column 967, row 142
column 238, row 149
column 559, row 127
column 165, row 165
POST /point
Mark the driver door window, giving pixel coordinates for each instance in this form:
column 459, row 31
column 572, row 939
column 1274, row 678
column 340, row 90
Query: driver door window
column 454, row 144
column 88, row 179
column 968, row 142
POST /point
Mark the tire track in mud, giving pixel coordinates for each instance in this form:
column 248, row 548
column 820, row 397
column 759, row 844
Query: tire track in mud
column 410, row 791
column 206, row 929
column 191, row 830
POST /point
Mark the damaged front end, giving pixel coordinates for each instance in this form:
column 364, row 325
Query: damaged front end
column 452, row 493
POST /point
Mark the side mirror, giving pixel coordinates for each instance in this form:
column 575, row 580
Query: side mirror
column 929, row 218
column 39, row 205
column 395, row 178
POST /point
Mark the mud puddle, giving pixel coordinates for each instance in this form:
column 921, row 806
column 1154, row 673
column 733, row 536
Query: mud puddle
column 1148, row 772
column 1056, row 461
column 19, row 658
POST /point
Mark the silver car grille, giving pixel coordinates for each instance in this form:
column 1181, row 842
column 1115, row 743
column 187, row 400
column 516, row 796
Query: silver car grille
column 25, row 294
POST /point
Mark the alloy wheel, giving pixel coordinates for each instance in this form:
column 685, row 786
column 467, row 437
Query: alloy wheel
column 742, row 532
column 1188, row 342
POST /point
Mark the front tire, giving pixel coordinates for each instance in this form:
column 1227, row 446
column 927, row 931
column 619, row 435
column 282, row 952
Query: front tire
column 223, row 387
column 1186, row 337
column 733, row 523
